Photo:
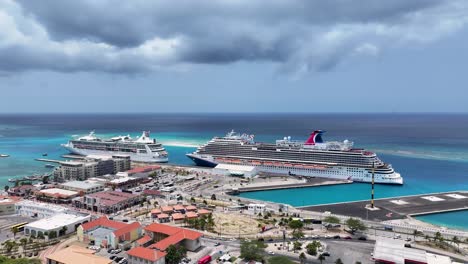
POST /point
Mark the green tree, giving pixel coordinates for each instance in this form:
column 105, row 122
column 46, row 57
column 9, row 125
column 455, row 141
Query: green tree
column 296, row 226
column 456, row 241
column 331, row 220
column 297, row 245
column 14, row 230
column 416, row 233
column 302, row 258
column 63, row 231
column 355, row 224
column 23, row 242
column 438, row 238
column 53, row 234
column 280, row 260
column 312, row 247
column 6, row 188
column 175, row 254
column 9, row 245
column 338, row 261
column 321, row 258
column 252, row 250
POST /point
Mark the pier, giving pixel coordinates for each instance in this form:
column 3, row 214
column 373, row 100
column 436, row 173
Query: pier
column 49, row 160
column 398, row 207
column 313, row 182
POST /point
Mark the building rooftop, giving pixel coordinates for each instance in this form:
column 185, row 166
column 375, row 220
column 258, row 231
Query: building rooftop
column 109, row 198
column 77, row 255
column 121, row 180
column 143, row 169
column 175, row 235
column 204, row 211
column 156, row 211
column 191, row 215
column 167, row 208
column 145, row 239
column 179, row 207
column 81, row 184
column 8, row 199
column 105, row 222
column 191, row 208
column 126, row 229
column 162, row 216
column 57, row 221
column 51, row 207
column 146, row 253
column 232, row 167
column 56, row 192
column 178, row 216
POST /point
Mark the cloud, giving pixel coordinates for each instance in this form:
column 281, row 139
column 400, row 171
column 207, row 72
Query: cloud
column 146, row 35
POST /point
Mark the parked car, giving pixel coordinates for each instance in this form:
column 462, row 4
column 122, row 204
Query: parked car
column 408, row 245
column 117, row 251
column 337, row 237
column 362, row 238
column 326, row 254
column 348, row 237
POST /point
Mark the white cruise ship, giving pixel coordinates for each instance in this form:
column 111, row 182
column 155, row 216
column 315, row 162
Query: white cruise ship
column 141, row 149
column 312, row 158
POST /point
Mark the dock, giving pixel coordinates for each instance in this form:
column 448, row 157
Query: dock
column 49, row 160
column 398, row 207
column 71, row 156
column 313, row 182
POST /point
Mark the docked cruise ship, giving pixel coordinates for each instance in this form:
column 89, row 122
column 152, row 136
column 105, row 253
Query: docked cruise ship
column 312, row 158
column 142, row 149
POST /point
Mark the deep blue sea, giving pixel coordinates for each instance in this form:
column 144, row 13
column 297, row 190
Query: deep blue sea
column 429, row 150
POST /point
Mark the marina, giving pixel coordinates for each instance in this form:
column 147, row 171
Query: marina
column 398, row 207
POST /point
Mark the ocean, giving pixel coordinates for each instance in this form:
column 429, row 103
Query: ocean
column 429, row 150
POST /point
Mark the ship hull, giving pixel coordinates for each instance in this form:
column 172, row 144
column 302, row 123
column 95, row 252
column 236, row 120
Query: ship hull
column 138, row 157
column 333, row 172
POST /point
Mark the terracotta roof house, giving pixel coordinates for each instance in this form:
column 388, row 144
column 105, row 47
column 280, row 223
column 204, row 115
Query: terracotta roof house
column 76, row 255
column 179, row 208
column 108, row 201
column 155, row 212
column 164, row 235
column 204, row 212
column 191, row 215
column 109, row 234
column 146, row 255
column 163, row 218
column 167, row 209
column 178, row 218
column 191, row 208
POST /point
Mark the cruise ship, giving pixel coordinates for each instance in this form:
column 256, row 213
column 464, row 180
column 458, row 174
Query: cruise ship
column 312, row 158
column 141, row 149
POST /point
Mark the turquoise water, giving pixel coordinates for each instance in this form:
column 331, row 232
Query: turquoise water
column 429, row 150
column 457, row 220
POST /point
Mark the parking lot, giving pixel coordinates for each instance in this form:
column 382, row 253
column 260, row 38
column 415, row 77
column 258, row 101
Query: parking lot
column 7, row 221
column 119, row 257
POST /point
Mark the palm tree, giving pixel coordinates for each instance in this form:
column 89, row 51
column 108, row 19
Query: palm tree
column 416, row 233
column 14, row 230
column 456, row 241
column 321, row 258
column 302, row 258
column 23, row 242
column 9, row 245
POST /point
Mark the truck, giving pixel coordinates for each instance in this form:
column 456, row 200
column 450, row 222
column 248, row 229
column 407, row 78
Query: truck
column 206, row 259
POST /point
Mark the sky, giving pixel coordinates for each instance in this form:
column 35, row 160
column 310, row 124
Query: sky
column 64, row 56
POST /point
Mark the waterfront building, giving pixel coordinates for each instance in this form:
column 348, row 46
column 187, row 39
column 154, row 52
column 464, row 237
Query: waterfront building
column 7, row 205
column 91, row 166
column 38, row 209
column 60, row 224
column 76, row 255
column 109, row 234
column 23, row 190
column 83, row 187
column 107, row 201
column 256, row 208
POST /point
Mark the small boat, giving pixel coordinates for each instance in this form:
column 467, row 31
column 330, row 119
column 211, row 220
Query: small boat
column 44, row 154
column 4, row 156
column 49, row 165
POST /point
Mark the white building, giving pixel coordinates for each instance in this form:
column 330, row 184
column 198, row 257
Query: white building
column 236, row 170
column 56, row 223
column 84, row 187
column 37, row 209
column 256, row 208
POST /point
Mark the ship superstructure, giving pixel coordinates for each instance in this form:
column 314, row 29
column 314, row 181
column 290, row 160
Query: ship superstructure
column 313, row 158
column 141, row 149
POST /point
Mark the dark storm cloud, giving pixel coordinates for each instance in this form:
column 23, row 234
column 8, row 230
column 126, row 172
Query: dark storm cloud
column 143, row 35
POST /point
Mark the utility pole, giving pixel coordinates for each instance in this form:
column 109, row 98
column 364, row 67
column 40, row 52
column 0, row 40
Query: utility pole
column 372, row 194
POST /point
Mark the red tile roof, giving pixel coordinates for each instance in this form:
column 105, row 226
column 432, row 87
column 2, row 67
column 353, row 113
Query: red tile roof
column 126, row 229
column 175, row 235
column 204, row 211
column 191, row 215
column 152, row 192
column 103, row 221
column 179, row 207
column 178, row 216
column 167, row 208
column 146, row 253
column 163, row 216
column 143, row 240
column 155, row 211
column 191, row 208
column 112, row 197
column 143, row 169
